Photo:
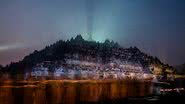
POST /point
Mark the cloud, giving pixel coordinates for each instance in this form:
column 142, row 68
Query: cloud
column 11, row 46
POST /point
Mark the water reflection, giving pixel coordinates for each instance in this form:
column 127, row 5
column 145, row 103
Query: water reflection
column 70, row 91
column 61, row 90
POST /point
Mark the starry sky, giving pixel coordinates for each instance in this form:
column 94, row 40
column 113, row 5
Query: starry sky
column 157, row 27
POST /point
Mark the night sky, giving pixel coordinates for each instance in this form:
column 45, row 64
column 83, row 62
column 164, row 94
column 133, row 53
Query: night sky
column 157, row 27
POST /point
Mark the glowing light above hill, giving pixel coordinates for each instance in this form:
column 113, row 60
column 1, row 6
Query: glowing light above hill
column 101, row 35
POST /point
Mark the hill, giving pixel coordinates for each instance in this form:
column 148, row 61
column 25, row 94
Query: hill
column 91, row 51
